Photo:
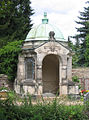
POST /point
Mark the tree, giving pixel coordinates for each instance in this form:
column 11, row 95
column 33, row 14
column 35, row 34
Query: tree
column 87, row 48
column 75, row 49
column 22, row 20
column 84, row 17
column 70, row 44
column 5, row 15
column 15, row 21
column 82, row 33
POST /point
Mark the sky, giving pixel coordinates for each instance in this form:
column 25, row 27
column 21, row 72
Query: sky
column 61, row 13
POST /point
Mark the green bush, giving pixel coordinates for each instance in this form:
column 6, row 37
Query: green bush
column 9, row 59
column 75, row 79
column 41, row 111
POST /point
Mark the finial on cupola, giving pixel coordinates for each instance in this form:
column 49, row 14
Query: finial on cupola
column 45, row 19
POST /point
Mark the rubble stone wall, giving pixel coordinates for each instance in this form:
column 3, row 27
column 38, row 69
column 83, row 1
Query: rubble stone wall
column 83, row 75
column 4, row 82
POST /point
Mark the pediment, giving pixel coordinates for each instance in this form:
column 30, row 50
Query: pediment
column 53, row 48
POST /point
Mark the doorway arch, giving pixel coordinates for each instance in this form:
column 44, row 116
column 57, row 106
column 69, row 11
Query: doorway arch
column 50, row 74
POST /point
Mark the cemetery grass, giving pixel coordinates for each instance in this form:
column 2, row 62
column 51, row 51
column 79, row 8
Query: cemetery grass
column 54, row 110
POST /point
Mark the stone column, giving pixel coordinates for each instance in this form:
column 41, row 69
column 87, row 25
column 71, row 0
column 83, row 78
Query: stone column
column 20, row 74
column 69, row 68
column 60, row 77
column 64, row 69
column 39, row 79
column 21, row 69
column 64, row 75
column 39, row 74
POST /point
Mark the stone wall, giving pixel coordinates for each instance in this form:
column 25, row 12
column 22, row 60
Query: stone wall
column 83, row 75
column 4, row 82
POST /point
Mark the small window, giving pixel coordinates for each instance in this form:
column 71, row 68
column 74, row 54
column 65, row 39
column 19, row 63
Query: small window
column 30, row 68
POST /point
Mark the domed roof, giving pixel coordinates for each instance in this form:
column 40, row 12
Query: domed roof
column 41, row 32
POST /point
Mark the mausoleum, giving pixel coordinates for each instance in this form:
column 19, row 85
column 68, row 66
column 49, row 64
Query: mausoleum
column 45, row 63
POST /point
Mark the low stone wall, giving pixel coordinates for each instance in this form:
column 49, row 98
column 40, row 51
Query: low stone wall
column 3, row 80
column 83, row 75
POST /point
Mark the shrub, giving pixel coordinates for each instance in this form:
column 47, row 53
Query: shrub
column 9, row 59
column 41, row 111
column 75, row 79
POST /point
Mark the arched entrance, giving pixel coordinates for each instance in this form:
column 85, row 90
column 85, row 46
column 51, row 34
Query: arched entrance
column 50, row 74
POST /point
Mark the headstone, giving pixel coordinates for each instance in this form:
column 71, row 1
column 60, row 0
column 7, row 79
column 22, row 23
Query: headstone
column 86, row 97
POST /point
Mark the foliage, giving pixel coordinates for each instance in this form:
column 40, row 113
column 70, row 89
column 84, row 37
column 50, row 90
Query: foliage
column 75, row 50
column 75, row 79
column 9, row 59
column 42, row 111
column 15, row 21
column 87, row 51
column 83, row 31
column 3, row 89
column 75, row 56
column 70, row 44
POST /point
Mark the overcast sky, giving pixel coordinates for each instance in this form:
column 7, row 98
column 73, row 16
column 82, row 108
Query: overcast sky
column 62, row 13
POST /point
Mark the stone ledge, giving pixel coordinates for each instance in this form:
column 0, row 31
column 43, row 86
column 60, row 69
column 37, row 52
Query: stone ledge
column 69, row 83
column 28, row 83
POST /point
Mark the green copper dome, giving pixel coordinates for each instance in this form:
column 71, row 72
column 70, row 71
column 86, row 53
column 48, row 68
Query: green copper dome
column 41, row 32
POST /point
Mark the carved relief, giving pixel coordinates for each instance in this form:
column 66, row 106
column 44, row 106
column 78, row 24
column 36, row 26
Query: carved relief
column 52, row 47
column 39, row 51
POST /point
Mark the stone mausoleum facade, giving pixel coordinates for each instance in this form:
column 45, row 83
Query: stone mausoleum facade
column 45, row 63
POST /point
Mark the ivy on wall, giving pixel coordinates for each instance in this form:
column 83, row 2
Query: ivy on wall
column 9, row 59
